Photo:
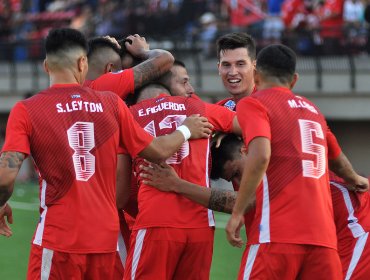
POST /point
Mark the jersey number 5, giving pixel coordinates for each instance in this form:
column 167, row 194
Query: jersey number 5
column 81, row 140
column 171, row 121
column 313, row 169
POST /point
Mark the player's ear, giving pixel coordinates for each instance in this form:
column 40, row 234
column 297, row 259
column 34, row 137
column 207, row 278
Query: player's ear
column 243, row 149
column 257, row 78
column 45, row 65
column 108, row 68
column 295, row 79
column 82, row 63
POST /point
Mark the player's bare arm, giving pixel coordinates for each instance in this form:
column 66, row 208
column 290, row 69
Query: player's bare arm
column 343, row 168
column 10, row 163
column 123, row 181
column 164, row 178
column 162, row 147
column 258, row 157
column 156, row 62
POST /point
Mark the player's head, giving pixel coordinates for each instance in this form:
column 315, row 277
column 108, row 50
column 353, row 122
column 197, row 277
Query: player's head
column 151, row 90
column 228, row 159
column 177, row 80
column 66, row 52
column 276, row 67
column 104, row 56
column 127, row 60
column 236, row 54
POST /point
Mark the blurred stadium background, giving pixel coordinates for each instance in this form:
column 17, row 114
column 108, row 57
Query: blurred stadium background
column 330, row 37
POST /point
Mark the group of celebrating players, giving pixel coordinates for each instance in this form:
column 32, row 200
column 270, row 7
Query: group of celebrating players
column 125, row 187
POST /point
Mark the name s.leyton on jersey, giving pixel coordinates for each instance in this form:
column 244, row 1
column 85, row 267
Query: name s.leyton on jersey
column 79, row 105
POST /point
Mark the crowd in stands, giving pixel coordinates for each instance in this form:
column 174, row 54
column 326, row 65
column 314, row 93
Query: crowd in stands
column 308, row 26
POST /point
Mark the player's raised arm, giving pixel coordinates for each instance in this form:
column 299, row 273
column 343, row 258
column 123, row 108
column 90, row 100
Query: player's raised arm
column 163, row 147
column 10, row 163
column 156, row 62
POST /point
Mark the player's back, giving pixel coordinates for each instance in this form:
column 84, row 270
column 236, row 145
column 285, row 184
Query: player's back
column 293, row 202
column 160, row 116
column 74, row 136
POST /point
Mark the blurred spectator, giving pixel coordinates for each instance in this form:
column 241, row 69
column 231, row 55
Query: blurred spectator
column 273, row 24
column 301, row 26
column 353, row 16
column 367, row 19
column 330, row 16
column 83, row 20
column 207, row 33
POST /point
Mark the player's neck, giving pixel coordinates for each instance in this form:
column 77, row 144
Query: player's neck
column 267, row 85
column 63, row 78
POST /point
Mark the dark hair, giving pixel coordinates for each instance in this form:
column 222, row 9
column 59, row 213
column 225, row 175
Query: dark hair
column 64, row 38
column 122, row 42
column 228, row 150
column 277, row 61
column 236, row 40
column 98, row 43
column 166, row 77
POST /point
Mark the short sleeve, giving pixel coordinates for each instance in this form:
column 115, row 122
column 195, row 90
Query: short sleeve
column 133, row 137
column 18, row 131
column 334, row 149
column 220, row 117
column 121, row 83
column 253, row 119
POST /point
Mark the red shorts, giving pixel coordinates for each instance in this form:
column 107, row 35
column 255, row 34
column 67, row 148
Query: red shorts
column 170, row 253
column 290, row 261
column 356, row 265
column 49, row 264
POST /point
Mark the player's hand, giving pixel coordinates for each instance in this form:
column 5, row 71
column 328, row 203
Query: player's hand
column 361, row 184
column 138, row 46
column 161, row 176
column 217, row 138
column 233, row 227
column 6, row 211
column 198, row 126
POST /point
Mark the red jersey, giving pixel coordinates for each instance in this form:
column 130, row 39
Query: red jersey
column 352, row 220
column 229, row 102
column 73, row 134
column 293, row 203
column 121, row 82
column 160, row 116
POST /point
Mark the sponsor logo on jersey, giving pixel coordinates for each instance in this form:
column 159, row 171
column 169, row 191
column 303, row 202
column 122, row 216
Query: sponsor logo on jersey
column 230, row 104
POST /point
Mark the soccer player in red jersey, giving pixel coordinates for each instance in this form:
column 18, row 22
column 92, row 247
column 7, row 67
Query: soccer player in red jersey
column 352, row 221
column 155, row 63
column 293, row 232
column 173, row 237
column 104, row 56
column 236, row 53
column 73, row 134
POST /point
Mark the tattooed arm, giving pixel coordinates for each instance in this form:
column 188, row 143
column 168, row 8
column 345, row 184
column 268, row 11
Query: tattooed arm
column 155, row 62
column 10, row 163
column 164, row 178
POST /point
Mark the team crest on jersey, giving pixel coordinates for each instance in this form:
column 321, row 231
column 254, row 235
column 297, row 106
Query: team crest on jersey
column 230, row 105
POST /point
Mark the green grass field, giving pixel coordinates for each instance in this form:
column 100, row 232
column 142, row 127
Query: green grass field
column 14, row 251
